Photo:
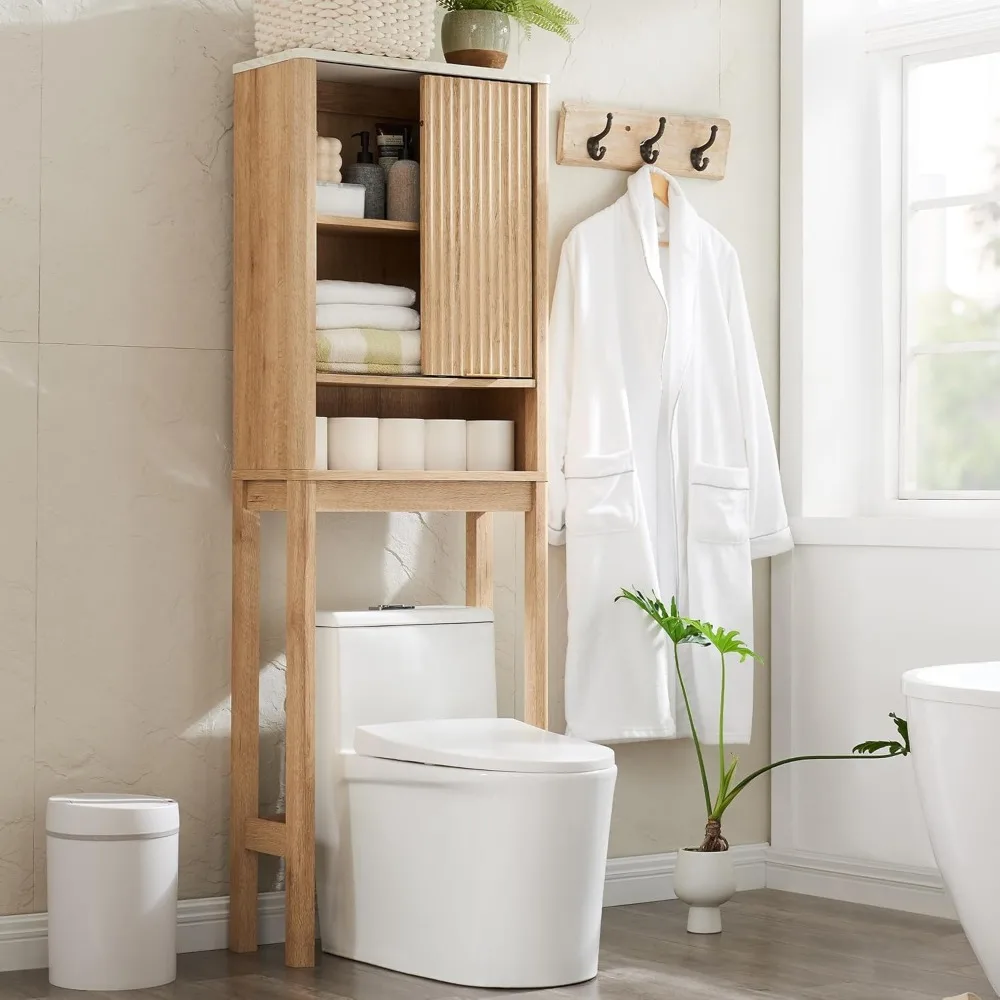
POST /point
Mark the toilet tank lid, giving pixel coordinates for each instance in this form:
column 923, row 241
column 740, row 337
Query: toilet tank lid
column 482, row 745
column 443, row 614
column 958, row 683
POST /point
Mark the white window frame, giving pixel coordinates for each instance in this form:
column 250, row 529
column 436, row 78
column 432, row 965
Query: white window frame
column 899, row 41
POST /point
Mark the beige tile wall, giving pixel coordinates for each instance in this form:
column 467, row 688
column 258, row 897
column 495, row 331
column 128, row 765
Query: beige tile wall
column 114, row 402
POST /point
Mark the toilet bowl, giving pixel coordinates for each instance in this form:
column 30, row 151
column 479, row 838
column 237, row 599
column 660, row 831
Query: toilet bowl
column 954, row 718
column 451, row 844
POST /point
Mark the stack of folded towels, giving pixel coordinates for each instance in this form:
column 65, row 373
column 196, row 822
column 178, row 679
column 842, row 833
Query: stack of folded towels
column 366, row 329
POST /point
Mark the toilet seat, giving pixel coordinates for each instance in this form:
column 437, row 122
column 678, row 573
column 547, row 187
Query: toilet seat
column 483, row 745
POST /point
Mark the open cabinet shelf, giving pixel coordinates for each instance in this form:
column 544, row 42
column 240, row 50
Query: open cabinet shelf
column 423, row 381
column 477, row 261
column 336, row 224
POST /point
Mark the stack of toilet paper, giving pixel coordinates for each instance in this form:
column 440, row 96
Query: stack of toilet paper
column 367, row 444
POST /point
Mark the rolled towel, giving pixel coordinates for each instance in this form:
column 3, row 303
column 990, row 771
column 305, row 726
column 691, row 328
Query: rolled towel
column 368, row 347
column 346, row 368
column 363, row 293
column 345, row 316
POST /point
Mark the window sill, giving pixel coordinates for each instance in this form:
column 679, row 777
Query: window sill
column 913, row 532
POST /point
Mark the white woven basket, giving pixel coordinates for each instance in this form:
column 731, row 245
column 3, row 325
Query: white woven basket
column 400, row 28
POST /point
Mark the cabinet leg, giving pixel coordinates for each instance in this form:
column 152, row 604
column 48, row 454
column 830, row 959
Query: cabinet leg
column 300, row 703
column 536, row 611
column 479, row 560
column 244, row 747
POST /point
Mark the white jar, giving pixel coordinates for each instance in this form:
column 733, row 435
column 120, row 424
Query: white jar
column 112, row 891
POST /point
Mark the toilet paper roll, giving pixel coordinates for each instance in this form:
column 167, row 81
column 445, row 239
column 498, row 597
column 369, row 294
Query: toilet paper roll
column 490, row 445
column 445, row 445
column 401, row 444
column 319, row 459
column 353, row 444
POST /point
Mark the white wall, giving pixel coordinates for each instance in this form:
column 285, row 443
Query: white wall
column 862, row 616
column 114, row 401
column 864, row 596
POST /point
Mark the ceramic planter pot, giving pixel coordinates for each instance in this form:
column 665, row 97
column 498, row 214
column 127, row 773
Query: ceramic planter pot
column 704, row 881
column 476, row 37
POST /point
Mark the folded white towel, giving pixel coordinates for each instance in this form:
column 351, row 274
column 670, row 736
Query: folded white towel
column 363, row 293
column 347, row 316
column 347, row 368
column 358, row 346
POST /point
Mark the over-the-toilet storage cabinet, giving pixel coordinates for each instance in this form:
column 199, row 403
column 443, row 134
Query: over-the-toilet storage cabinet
column 478, row 258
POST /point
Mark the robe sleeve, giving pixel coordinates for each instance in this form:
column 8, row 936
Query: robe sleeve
column 561, row 329
column 769, row 531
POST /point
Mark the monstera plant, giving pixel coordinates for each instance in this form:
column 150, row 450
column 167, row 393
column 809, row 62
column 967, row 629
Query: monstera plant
column 682, row 631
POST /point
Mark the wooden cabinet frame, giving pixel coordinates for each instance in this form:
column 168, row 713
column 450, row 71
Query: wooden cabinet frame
column 277, row 395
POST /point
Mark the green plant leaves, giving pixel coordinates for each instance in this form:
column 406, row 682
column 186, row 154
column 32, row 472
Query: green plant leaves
column 679, row 630
column 529, row 14
column 894, row 748
column 725, row 642
column 682, row 630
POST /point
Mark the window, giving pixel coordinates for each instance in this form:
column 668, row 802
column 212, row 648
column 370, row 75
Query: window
column 949, row 405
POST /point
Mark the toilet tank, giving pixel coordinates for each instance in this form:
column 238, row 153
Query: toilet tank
column 402, row 665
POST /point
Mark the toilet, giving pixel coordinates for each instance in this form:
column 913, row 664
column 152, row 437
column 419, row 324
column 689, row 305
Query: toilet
column 451, row 844
column 954, row 717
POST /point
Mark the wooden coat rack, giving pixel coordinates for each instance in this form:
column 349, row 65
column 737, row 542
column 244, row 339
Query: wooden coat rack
column 592, row 136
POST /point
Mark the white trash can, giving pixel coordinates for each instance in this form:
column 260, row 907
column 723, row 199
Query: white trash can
column 112, row 891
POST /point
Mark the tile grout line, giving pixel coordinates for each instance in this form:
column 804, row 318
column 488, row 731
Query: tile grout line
column 38, row 412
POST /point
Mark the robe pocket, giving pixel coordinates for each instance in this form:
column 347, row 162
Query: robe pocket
column 601, row 495
column 719, row 504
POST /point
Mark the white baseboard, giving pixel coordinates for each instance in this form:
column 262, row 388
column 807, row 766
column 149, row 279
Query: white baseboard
column 650, row 878
column 201, row 926
column 202, row 923
column 895, row 887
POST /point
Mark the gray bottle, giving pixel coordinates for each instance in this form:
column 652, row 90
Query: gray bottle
column 369, row 174
column 403, row 186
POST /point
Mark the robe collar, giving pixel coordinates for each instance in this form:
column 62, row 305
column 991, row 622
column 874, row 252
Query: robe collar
column 684, row 243
column 683, row 223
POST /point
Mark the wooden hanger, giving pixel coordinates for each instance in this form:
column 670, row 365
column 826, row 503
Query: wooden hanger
column 661, row 192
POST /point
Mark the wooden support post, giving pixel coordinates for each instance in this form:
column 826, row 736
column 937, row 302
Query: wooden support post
column 244, row 801
column 536, row 611
column 479, row 559
column 300, row 698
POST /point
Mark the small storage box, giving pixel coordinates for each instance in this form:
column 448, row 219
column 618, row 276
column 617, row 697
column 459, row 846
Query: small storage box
column 112, row 891
column 403, row 29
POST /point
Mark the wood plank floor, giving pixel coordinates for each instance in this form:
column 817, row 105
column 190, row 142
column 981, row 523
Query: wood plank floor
column 774, row 945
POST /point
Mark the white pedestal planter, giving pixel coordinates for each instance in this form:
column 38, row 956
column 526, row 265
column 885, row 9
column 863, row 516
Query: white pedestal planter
column 704, row 881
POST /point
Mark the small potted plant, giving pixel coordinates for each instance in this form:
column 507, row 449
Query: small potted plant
column 477, row 32
column 704, row 876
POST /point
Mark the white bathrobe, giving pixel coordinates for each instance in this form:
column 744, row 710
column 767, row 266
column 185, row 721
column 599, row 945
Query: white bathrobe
column 663, row 474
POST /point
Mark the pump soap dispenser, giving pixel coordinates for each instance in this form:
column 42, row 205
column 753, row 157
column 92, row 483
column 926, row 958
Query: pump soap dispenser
column 369, row 174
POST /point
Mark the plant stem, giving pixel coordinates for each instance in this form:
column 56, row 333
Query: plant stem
column 694, row 733
column 722, row 725
column 717, row 814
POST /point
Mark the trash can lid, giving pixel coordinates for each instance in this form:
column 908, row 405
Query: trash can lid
column 102, row 815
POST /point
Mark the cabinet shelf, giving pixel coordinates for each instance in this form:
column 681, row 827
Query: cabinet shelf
column 424, row 381
column 341, row 225
column 395, row 491
column 387, row 476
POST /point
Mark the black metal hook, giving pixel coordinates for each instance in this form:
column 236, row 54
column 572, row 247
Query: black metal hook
column 594, row 146
column 698, row 160
column 646, row 150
